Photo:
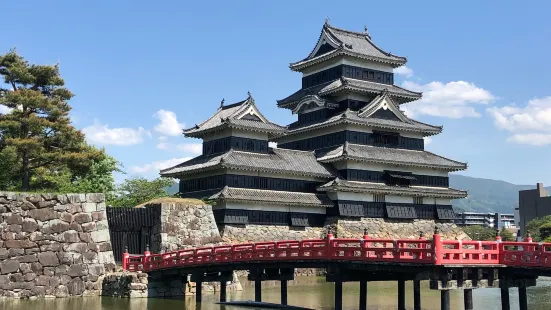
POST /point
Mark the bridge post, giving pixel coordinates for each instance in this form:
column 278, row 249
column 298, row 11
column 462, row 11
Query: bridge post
column 338, row 294
column 437, row 246
column 445, row 299
column 468, row 299
column 401, row 294
column 504, row 287
column 198, row 290
column 363, row 295
column 522, row 298
column 223, row 291
column 284, row 292
column 125, row 257
column 258, row 290
column 416, row 295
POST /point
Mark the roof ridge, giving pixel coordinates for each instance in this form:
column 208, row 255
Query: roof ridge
column 366, row 36
column 446, row 158
column 292, row 150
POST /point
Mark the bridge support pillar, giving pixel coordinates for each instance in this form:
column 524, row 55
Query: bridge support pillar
column 505, row 303
column 338, row 294
column 363, row 295
column 223, row 291
column 401, row 294
column 468, row 299
column 522, row 298
column 416, row 295
column 198, row 291
column 258, row 290
column 284, row 292
column 445, row 300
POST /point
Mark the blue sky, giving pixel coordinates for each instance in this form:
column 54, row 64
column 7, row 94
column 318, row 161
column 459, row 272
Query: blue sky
column 142, row 70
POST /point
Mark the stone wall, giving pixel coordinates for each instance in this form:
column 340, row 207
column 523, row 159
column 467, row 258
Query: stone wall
column 396, row 229
column 346, row 228
column 137, row 285
column 183, row 223
column 53, row 245
column 256, row 233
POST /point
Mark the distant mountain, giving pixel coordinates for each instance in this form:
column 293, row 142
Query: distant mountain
column 172, row 189
column 485, row 195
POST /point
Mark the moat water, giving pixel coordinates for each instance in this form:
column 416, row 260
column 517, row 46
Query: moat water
column 311, row 292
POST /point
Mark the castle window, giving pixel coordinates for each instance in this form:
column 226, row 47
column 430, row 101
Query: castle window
column 250, row 146
column 418, row 200
column 378, row 198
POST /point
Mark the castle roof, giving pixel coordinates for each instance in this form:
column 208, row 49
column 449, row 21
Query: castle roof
column 272, row 197
column 400, row 95
column 367, row 117
column 335, row 42
column 242, row 115
column 276, row 161
column 385, row 155
column 381, row 188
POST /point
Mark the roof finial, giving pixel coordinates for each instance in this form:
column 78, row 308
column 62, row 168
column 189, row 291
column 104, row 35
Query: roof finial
column 222, row 102
column 250, row 98
column 366, row 32
column 327, row 20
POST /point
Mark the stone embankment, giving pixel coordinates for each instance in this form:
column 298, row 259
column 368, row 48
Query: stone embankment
column 53, row 245
column 137, row 285
column 345, row 228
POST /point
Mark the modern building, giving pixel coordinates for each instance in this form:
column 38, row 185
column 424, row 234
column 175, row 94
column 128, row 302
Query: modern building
column 533, row 203
column 494, row 220
column 351, row 153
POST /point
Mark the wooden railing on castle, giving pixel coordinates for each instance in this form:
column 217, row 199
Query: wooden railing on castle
column 408, row 251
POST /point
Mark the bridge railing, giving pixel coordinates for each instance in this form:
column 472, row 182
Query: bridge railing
column 413, row 251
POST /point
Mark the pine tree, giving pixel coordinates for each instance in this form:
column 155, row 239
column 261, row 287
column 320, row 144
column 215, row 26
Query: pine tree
column 37, row 124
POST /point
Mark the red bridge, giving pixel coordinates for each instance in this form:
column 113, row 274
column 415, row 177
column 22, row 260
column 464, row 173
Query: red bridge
column 447, row 264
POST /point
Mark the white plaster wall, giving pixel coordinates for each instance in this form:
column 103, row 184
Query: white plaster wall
column 341, row 127
column 347, row 60
column 274, row 175
column 352, row 196
column 443, row 201
column 270, row 207
column 399, row 199
column 237, row 133
column 380, row 167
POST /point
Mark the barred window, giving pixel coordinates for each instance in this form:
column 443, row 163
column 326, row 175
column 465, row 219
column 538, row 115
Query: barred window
column 418, row 200
column 378, row 198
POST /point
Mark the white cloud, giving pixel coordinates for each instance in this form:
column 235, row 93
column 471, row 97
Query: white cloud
column 536, row 116
column 453, row 99
column 103, row 135
column 156, row 166
column 404, row 71
column 193, row 148
column 163, row 146
column 536, row 139
column 530, row 124
column 428, row 140
column 168, row 123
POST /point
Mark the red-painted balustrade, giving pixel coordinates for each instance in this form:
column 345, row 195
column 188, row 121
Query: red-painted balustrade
column 413, row 251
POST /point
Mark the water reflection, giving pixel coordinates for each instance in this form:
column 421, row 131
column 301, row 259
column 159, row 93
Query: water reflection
column 309, row 292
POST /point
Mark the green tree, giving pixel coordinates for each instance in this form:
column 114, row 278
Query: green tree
column 480, row 233
column 506, row 235
column 9, row 168
column 38, row 126
column 98, row 178
column 534, row 226
column 137, row 190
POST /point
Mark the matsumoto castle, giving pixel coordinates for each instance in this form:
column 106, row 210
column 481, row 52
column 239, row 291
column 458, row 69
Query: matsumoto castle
column 351, row 153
